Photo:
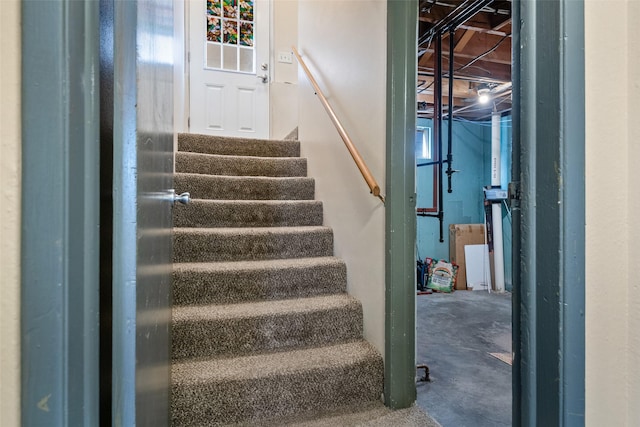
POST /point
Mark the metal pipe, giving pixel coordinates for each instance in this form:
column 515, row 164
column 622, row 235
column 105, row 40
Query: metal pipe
column 429, row 215
column 461, row 76
column 454, row 19
column 450, row 113
column 438, row 119
column 435, row 162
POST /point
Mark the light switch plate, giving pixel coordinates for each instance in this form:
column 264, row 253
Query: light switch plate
column 285, row 57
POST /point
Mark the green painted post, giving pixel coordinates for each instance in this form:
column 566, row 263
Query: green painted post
column 400, row 233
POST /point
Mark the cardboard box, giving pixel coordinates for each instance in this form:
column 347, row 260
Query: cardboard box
column 459, row 236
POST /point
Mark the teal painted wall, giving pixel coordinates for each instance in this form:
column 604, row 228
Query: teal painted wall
column 472, row 157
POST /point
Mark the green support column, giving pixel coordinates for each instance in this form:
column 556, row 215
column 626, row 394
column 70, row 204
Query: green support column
column 400, row 370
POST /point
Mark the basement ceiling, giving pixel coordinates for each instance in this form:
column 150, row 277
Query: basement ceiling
column 481, row 56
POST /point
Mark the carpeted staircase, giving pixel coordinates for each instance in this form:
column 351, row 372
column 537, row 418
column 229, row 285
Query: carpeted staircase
column 263, row 328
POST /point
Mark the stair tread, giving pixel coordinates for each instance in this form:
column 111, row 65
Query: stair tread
column 263, row 308
column 245, row 177
column 227, row 282
column 270, row 264
column 267, row 365
column 240, row 157
column 199, row 143
column 255, row 202
column 225, row 164
column 235, row 231
column 235, row 187
column 216, row 213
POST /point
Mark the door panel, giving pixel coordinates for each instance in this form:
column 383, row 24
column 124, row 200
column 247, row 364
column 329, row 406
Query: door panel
column 229, row 67
column 214, row 103
column 142, row 178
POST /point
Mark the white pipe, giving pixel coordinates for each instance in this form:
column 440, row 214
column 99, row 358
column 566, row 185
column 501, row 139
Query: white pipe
column 496, row 208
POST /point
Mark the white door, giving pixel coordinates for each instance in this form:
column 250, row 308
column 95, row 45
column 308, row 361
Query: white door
column 229, row 67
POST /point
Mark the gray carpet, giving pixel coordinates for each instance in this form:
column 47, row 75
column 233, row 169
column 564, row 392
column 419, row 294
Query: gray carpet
column 263, row 332
column 373, row 414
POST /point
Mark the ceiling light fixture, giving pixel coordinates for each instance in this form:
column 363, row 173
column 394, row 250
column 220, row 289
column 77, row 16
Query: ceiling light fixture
column 483, row 95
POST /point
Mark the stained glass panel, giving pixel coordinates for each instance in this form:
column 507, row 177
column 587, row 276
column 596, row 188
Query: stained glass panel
column 230, row 8
column 214, row 34
column 230, row 39
column 246, row 10
column 214, row 8
column 230, row 31
column 246, row 34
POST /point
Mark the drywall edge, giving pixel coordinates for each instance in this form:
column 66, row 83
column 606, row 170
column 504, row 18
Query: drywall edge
column 10, row 170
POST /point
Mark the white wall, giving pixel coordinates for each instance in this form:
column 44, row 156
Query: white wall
column 283, row 90
column 632, row 156
column 612, row 237
column 180, row 69
column 10, row 169
column 344, row 44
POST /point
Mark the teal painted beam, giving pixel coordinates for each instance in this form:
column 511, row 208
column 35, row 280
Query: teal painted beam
column 549, row 221
column 60, row 214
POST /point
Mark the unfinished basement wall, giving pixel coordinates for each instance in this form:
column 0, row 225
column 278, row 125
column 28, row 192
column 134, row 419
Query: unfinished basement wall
column 612, row 205
column 10, row 170
column 464, row 205
column 344, row 45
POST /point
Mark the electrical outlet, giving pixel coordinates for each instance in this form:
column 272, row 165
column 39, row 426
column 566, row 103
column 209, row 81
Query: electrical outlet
column 285, row 57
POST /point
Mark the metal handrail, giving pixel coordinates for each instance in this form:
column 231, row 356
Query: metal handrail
column 362, row 166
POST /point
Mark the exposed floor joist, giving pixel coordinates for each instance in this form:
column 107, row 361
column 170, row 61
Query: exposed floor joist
column 482, row 51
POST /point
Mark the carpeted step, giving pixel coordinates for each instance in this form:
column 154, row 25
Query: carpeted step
column 215, row 164
column 252, row 388
column 240, row 244
column 248, row 213
column 237, row 146
column 244, row 187
column 369, row 414
column 243, row 281
column 240, row 329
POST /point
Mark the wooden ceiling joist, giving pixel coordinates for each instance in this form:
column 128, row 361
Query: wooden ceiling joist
column 462, row 43
column 481, row 51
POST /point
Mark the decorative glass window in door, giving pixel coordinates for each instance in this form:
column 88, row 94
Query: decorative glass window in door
column 230, row 42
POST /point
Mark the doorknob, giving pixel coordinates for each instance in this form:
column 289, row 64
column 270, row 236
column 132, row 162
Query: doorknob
column 264, row 78
column 183, row 198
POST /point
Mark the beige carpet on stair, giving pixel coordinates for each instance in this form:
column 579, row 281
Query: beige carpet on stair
column 369, row 415
column 262, row 326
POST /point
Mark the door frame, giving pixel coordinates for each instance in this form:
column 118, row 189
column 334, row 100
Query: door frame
column 60, row 213
column 400, row 205
column 548, row 218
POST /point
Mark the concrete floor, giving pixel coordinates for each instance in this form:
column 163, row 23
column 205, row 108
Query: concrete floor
column 455, row 334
